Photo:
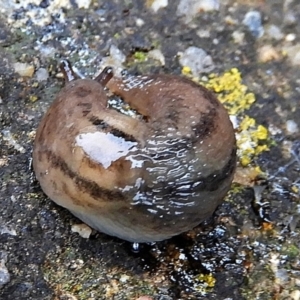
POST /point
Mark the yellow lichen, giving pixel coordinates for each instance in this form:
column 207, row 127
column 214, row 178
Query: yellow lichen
column 207, row 279
column 249, row 138
column 231, row 92
column 186, row 71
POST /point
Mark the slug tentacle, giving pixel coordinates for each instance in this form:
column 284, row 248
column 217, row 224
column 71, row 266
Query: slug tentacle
column 140, row 179
column 104, row 77
column 67, row 70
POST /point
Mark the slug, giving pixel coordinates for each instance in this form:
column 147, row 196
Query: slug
column 141, row 179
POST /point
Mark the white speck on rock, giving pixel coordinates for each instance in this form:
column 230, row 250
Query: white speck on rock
column 290, row 37
column 82, row 229
column 182, row 256
column 197, row 60
column 139, row 22
column 252, row 20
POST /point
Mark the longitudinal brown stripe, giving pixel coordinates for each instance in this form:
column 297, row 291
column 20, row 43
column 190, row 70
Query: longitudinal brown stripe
column 98, row 122
column 83, row 184
column 101, row 124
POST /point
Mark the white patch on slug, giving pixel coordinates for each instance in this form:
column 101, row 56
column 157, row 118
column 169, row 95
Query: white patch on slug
column 104, row 148
column 136, row 82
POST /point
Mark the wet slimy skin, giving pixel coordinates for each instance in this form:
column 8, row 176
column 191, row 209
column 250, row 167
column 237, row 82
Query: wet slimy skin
column 140, row 179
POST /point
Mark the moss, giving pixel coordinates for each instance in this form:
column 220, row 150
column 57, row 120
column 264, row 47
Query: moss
column 140, row 56
column 292, row 251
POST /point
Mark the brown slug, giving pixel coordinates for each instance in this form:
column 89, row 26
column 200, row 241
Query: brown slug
column 140, row 179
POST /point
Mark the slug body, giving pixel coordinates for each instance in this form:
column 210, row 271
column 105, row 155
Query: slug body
column 140, row 179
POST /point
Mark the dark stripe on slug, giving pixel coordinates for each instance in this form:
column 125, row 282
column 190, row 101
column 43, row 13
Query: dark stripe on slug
column 206, row 126
column 213, row 181
column 98, row 122
column 83, row 184
column 108, row 128
column 86, row 108
column 210, row 96
column 122, row 134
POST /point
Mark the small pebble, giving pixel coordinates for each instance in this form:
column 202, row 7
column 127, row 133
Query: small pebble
column 4, row 274
column 41, row 74
column 295, row 295
column 82, row 229
column 7, row 136
column 115, row 59
column 4, row 229
column 197, row 60
column 157, row 55
column 124, row 278
column 291, row 127
column 267, row 53
column 274, row 32
column 230, row 21
column 23, row 69
column 282, row 276
column 83, row 3
column 190, row 8
column 155, row 5
column 238, row 37
column 252, row 20
column 290, row 37
column 203, row 33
